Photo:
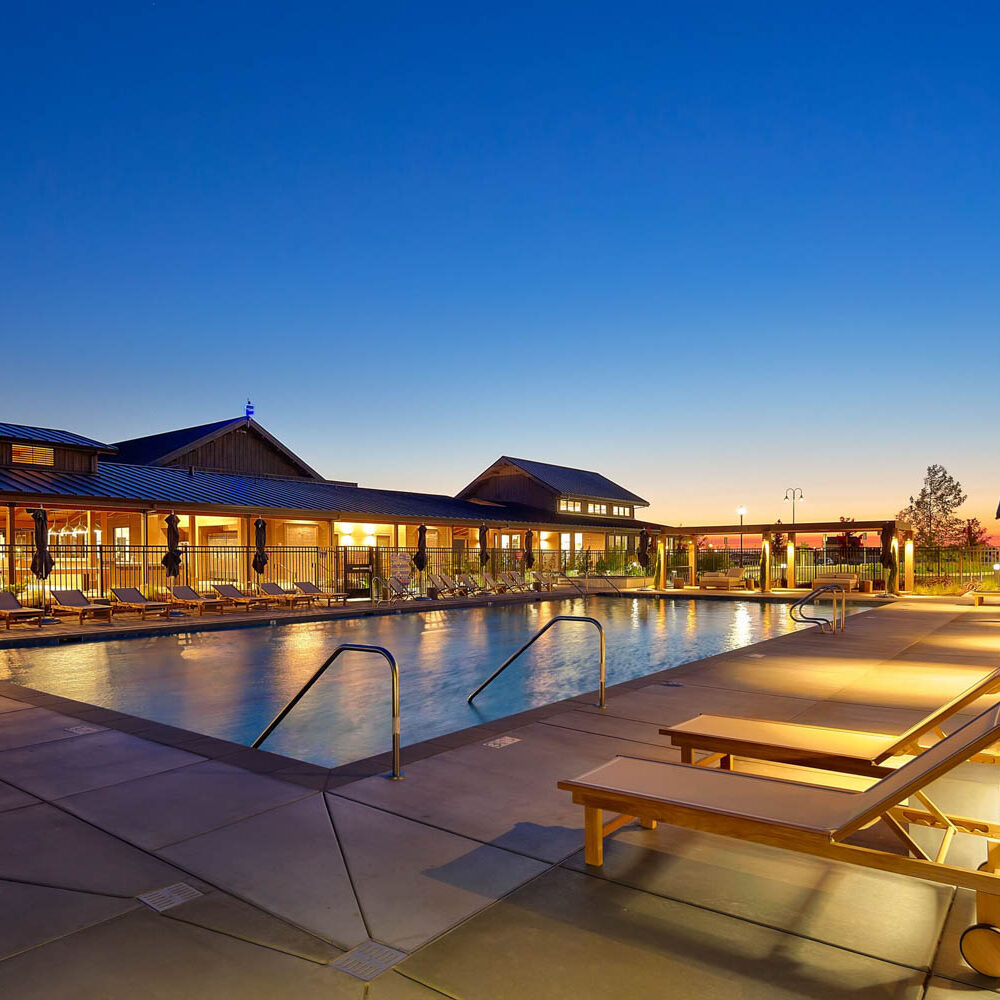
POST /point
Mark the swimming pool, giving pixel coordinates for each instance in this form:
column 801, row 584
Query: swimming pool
column 230, row 684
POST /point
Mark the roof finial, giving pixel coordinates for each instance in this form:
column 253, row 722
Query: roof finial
column 249, row 409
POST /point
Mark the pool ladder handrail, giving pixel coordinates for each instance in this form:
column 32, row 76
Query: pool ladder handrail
column 558, row 618
column 827, row 588
column 348, row 647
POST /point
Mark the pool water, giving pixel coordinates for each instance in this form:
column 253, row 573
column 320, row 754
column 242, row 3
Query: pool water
column 231, row 683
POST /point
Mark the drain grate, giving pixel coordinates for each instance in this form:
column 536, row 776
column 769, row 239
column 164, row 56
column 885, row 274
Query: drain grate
column 672, row 684
column 368, row 960
column 169, row 895
column 85, row 730
column 500, row 742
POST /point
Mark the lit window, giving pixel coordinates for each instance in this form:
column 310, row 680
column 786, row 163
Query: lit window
column 621, row 511
column 571, row 506
column 24, row 454
column 597, row 508
column 122, row 539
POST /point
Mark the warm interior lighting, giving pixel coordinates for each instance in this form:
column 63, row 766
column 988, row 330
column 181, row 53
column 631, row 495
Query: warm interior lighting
column 369, row 540
column 347, row 529
column 369, row 529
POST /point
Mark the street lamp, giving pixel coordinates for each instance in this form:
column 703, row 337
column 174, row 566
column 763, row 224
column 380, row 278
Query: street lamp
column 793, row 493
column 741, row 510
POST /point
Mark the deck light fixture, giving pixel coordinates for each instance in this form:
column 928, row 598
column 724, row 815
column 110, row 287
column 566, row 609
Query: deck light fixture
column 741, row 510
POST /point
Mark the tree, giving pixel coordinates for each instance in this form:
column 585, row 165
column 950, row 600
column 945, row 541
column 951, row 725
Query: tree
column 848, row 545
column 974, row 534
column 931, row 513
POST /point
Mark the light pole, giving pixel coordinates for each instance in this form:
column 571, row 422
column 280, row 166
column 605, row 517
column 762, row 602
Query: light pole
column 741, row 510
column 793, row 493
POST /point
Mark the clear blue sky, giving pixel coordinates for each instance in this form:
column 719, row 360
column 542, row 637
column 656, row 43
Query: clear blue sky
column 711, row 250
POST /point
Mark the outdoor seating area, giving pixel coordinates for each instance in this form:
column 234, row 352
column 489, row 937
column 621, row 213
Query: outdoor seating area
column 726, row 871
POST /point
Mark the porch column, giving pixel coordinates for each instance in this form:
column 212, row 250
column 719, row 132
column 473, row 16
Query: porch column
column 765, row 563
column 245, row 531
column 908, row 567
column 693, row 559
column 790, row 560
column 894, row 571
column 144, row 543
column 661, row 574
column 11, row 558
column 192, row 555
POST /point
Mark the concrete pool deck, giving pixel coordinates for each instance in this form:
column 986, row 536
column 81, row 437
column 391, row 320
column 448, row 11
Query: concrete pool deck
column 471, row 868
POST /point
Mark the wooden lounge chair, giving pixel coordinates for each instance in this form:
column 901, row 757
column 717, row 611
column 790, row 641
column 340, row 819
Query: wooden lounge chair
column 456, row 589
column 236, row 596
column 471, row 587
column 75, row 602
column 813, row 820
column 398, row 591
column 491, row 584
column 441, row 585
column 311, row 590
column 513, row 583
column 133, row 599
column 188, row 597
column 289, row 598
column 12, row 610
column 543, row 580
column 724, row 739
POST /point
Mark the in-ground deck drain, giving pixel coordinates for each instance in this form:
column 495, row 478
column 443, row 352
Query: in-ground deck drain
column 368, row 960
column 169, row 895
column 500, row 742
column 85, row 730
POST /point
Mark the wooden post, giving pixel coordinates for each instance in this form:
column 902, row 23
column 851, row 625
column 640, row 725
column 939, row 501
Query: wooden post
column 790, row 573
column 894, row 548
column 908, row 568
column 192, row 561
column 593, row 836
column 661, row 555
column 765, row 563
column 11, row 556
column 144, row 543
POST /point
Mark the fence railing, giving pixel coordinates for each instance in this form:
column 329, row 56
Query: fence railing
column 95, row 569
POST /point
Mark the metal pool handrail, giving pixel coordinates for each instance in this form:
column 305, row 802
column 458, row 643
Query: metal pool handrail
column 352, row 647
column 559, row 618
column 827, row 588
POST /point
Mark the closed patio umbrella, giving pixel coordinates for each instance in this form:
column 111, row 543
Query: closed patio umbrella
column 420, row 556
column 260, row 543
column 529, row 554
column 42, row 561
column 484, row 540
column 643, row 551
column 171, row 562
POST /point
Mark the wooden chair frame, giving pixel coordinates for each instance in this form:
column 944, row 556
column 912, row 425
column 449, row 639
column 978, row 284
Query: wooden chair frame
column 201, row 603
column 247, row 601
column 82, row 611
column 882, row 802
column 321, row 595
column 289, row 598
column 143, row 607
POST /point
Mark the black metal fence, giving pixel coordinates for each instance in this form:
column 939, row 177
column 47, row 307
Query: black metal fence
column 95, row 569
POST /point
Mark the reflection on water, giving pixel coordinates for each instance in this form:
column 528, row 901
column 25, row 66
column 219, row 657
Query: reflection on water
column 230, row 684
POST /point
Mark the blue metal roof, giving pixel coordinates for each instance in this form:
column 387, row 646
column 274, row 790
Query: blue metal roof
column 149, row 449
column 176, row 487
column 49, row 435
column 564, row 480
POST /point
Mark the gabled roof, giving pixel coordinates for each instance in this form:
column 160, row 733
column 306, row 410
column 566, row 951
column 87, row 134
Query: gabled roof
column 563, row 480
column 50, row 436
column 173, row 486
column 162, row 449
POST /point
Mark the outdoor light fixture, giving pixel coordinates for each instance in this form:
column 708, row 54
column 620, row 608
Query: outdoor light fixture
column 794, row 493
column 369, row 529
column 741, row 510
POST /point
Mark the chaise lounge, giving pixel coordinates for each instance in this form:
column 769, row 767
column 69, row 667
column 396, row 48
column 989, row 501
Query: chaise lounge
column 725, row 739
column 290, row 599
column 234, row 595
column 133, row 599
column 311, row 590
column 75, row 602
column 12, row 610
column 849, row 581
column 188, row 597
column 813, row 820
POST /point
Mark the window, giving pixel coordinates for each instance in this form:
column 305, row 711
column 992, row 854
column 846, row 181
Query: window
column 24, row 454
column 122, row 539
column 621, row 511
column 617, row 541
column 597, row 508
column 570, row 506
column 568, row 542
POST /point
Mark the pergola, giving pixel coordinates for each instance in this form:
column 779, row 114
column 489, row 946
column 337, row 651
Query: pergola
column 900, row 535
